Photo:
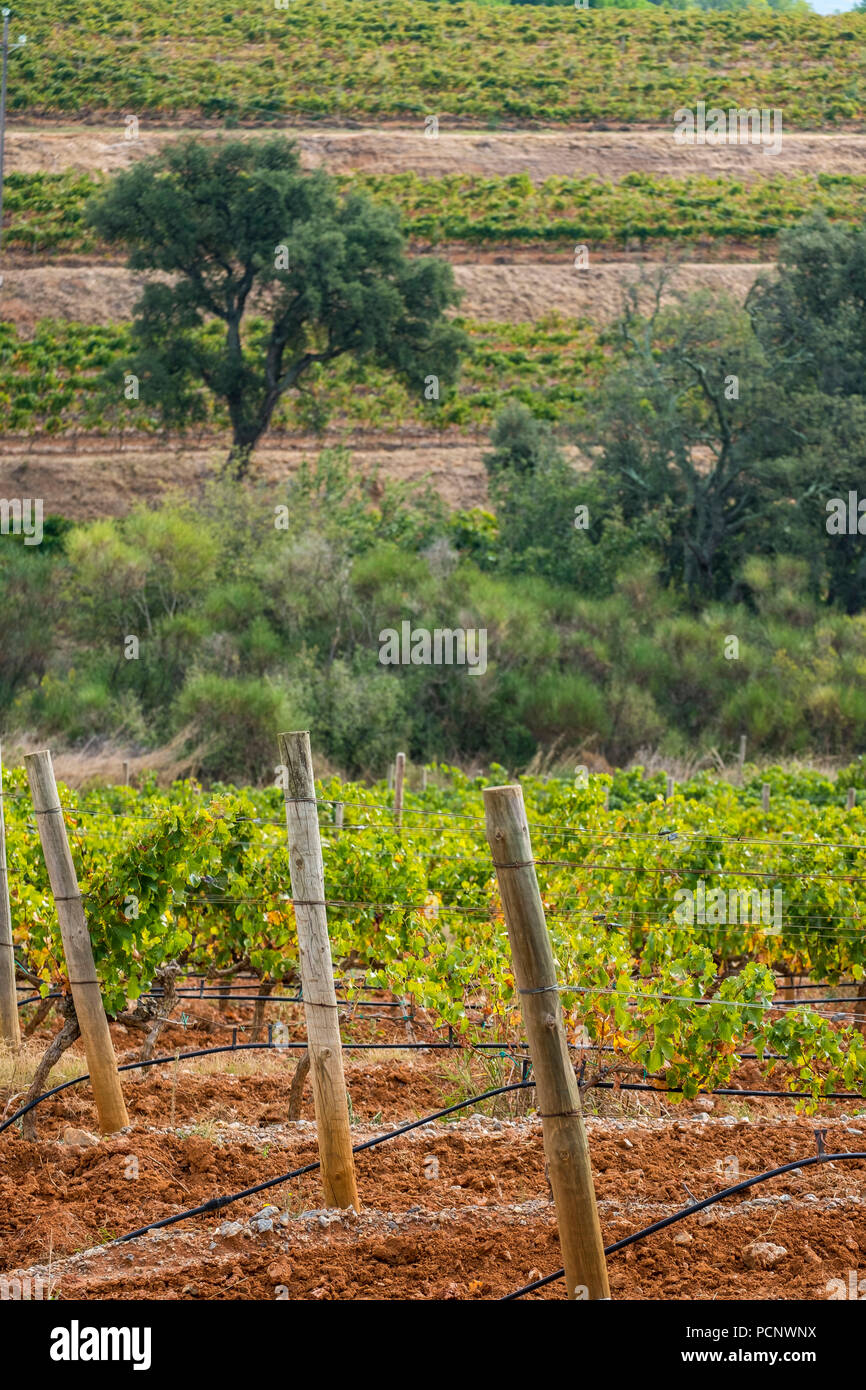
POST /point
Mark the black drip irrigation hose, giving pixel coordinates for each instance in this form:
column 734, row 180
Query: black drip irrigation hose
column 135, row 1066
column 217, row 1203
column 206, row 1052
column 722, row 1091
column 212, row 982
column 689, row 1211
column 389, row 1047
column 217, row 998
column 456, row 1046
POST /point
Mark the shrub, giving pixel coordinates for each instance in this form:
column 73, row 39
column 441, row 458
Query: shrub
column 233, row 724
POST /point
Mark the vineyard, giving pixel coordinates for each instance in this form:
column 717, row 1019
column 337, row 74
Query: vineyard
column 47, row 210
column 58, row 380
column 331, row 332
column 415, row 910
column 475, row 63
column 189, row 905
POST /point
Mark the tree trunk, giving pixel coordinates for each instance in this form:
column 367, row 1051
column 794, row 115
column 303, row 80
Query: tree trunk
column 153, row 1014
column 53, row 1052
column 225, row 990
column 166, row 976
column 239, row 459
column 266, row 987
column 296, row 1094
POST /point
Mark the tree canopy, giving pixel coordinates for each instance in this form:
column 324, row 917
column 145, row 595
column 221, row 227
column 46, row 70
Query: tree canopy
column 266, row 271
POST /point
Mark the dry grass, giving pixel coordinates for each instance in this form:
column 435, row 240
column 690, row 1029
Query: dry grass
column 562, row 760
column 540, row 153
column 17, row 1070
column 84, row 477
column 520, row 291
column 726, row 768
column 99, row 762
column 528, row 292
column 276, row 1062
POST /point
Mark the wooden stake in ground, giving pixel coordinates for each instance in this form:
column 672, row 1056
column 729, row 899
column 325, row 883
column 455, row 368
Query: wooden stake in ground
column 669, row 787
column 565, row 1142
column 317, row 974
column 741, row 759
column 852, row 798
column 765, row 796
column 10, row 1032
column 339, row 810
column 80, row 967
column 399, row 778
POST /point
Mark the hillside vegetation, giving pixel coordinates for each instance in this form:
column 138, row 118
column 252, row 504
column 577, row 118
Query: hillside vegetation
column 352, row 59
column 47, row 212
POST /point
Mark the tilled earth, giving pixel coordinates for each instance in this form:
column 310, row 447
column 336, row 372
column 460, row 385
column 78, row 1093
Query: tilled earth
column 459, row 1209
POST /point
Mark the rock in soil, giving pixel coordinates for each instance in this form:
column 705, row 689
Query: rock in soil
column 761, row 1254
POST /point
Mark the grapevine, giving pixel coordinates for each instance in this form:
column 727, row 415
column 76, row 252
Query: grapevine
column 176, row 877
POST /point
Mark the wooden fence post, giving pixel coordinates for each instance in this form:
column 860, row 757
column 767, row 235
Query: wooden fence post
column 399, row 775
column 423, row 779
column 317, row 974
column 765, row 796
column 669, row 787
column 10, row 1032
column 77, row 947
column 339, row 810
column 565, row 1142
column 852, row 798
column 741, row 758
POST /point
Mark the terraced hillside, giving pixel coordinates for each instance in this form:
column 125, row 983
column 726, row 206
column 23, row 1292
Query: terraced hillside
column 600, row 878
column 540, row 144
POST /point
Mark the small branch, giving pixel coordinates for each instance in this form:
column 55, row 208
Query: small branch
column 42, row 1011
column 28, row 975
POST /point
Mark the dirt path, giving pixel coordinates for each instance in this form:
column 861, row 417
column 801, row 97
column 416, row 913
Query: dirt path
column 609, row 154
column 508, row 291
